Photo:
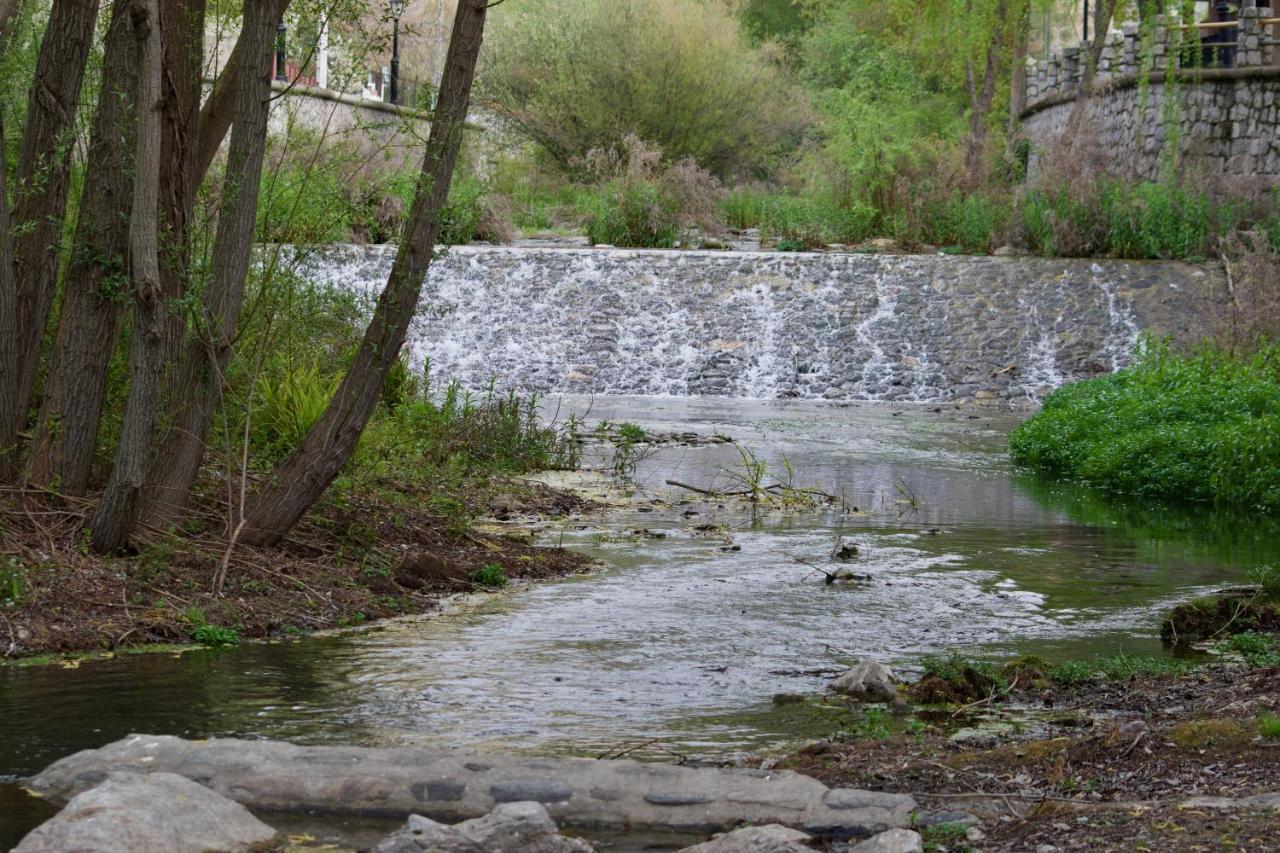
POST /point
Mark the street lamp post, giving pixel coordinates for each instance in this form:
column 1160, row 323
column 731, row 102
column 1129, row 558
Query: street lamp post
column 281, row 33
column 397, row 9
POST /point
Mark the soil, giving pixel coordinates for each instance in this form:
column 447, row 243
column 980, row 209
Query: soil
column 1101, row 766
column 380, row 550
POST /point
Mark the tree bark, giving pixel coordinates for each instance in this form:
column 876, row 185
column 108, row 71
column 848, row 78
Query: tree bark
column 198, row 389
column 1104, row 10
column 1018, row 71
column 9, row 419
column 113, row 521
column 216, row 114
column 305, row 475
column 42, row 179
column 981, row 99
column 96, row 284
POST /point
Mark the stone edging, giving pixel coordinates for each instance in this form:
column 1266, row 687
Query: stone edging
column 454, row 785
column 1128, row 81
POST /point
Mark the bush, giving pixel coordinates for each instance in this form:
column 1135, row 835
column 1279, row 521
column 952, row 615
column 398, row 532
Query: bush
column 577, row 75
column 490, row 575
column 646, row 203
column 1202, row 427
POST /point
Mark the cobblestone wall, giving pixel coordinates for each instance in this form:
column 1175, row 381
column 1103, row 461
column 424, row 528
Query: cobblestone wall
column 1226, row 118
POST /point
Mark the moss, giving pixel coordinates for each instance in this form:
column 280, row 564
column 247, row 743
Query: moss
column 1203, row 734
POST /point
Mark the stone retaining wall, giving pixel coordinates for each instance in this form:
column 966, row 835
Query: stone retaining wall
column 1227, row 119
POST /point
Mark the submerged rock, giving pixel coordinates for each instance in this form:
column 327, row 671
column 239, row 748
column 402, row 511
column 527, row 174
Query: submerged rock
column 135, row 812
column 509, row 828
column 868, row 681
column 773, row 838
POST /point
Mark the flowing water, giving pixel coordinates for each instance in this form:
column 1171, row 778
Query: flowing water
column 677, row 640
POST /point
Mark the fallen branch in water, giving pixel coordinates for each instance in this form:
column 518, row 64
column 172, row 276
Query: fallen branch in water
column 713, row 493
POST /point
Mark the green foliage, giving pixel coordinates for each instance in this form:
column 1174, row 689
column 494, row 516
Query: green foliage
column 632, row 213
column 1202, row 427
column 1115, row 668
column 956, row 668
column 289, row 404
column 1269, row 726
column 951, row 837
column 463, row 432
column 12, row 583
column 208, row 634
column 578, row 75
column 871, row 724
column 1267, row 577
column 490, row 575
column 1258, row 650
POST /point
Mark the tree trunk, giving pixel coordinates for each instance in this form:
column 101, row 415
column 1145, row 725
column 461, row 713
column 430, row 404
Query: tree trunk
column 1104, row 10
column 198, row 389
column 981, row 99
column 1018, row 72
column 42, row 179
column 114, row 519
column 305, row 475
column 182, row 40
column 9, row 418
column 216, row 114
column 96, row 283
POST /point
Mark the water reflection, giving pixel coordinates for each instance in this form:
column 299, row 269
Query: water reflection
column 677, row 639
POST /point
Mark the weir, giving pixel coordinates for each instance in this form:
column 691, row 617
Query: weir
column 773, row 325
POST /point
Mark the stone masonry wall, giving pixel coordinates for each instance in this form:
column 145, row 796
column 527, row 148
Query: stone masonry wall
column 1228, row 118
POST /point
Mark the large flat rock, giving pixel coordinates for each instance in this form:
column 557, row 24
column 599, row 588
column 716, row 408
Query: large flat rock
column 454, row 785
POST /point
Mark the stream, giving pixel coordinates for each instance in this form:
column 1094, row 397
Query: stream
column 679, row 643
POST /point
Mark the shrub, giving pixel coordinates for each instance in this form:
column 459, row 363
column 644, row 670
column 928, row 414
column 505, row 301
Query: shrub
column 1267, row 577
column 1202, row 427
column 490, row 575
column 577, row 75
column 644, row 202
column 215, row 635
column 1269, row 726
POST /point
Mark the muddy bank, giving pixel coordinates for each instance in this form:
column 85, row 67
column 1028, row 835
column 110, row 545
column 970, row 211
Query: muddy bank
column 1172, row 762
column 389, row 549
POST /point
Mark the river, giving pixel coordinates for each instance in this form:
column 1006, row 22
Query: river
column 681, row 642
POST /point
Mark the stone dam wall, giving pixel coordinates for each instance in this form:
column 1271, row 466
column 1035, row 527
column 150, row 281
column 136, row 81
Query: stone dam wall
column 770, row 325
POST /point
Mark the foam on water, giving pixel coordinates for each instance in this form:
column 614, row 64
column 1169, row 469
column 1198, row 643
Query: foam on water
column 760, row 325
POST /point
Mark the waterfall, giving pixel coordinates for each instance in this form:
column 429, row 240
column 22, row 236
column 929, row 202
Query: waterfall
column 761, row 324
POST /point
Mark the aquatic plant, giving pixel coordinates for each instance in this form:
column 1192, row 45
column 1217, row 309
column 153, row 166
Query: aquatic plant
column 1203, row 427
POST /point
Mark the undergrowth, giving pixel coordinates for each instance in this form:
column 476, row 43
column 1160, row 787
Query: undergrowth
column 1187, row 428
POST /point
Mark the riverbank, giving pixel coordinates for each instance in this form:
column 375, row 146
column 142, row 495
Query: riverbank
column 383, row 549
column 1176, row 761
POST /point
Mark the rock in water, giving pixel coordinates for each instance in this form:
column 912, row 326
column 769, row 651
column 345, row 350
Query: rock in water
column 509, row 828
column 756, row 839
column 135, row 812
column 868, row 681
column 893, row 841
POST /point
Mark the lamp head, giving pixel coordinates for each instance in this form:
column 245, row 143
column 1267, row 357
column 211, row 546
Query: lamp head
column 397, row 8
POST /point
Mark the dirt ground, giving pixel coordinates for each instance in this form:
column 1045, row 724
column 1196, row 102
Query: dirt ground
column 385, row 550
column 1134, row 765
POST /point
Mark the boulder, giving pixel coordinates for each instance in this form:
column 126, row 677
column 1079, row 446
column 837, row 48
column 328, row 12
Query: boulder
column 136, row 812
column 893, row 841
column 869, row 681
column 756, row 839
column 509, row 828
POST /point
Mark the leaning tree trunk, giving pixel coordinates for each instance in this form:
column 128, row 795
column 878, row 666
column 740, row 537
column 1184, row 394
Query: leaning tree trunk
column 981, row 99
column 198, row 389
column 216, row 114
column 114, row 518
column 96, row 284
column 1104, row 10
column 305, row 475
column 9, row 419
column 43, row 177
column 182, row 40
